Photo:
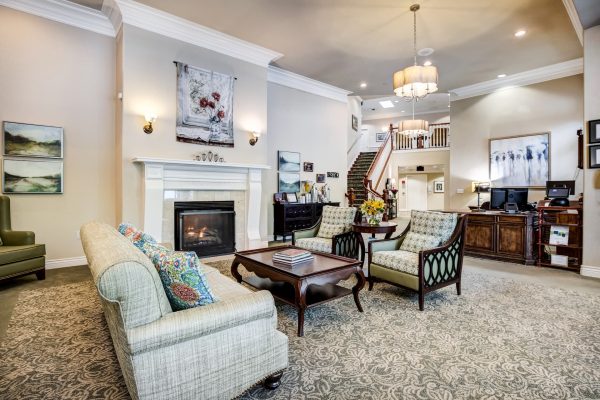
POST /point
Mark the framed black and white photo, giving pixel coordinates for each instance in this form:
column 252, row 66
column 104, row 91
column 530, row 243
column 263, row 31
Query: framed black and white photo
column 32, row 176
column 594, row 156
column 288, row 161
column 289, row 182
column 520, row 161
column 594, row 131
column 381, row 136
column 28, row 140
column 308, row 166
column 438, row 187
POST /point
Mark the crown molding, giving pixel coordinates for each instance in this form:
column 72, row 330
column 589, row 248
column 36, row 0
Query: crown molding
column 404, row 115
column 543, row 74
column 112, row 12
column 64, row 12
column 295, row 81
column 574, row 16
column 163, row 23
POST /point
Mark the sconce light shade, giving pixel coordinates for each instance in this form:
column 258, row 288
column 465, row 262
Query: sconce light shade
column 149, row 121
column 254, row 138
column 480, row 187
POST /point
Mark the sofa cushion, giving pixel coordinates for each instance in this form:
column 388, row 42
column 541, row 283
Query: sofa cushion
column 416, row 242
column 315, row 244
column 398, row 260
column 335, row 221
column 433, row 223
column 11, row 254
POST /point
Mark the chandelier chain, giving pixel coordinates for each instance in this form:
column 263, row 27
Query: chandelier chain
column 415, row 35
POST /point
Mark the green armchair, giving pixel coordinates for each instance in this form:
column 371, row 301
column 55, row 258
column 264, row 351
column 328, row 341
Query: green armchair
column 19, row 255
column 427, row 256
column 331, row 234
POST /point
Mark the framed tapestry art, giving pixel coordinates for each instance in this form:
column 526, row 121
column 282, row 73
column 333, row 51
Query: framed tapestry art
column 204, row 106
column 520, row 161
column 32, row 176
column 28, row 140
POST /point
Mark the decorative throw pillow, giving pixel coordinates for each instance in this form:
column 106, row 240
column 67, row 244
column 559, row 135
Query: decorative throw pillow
column 415, row 242
column 327, row 231
column 180, row 271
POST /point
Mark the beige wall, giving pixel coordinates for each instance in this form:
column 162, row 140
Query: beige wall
column 149, row 85
column 54, row 74
column 591, row 198
column 554, row 106
column 435, row 201
column 354, row 108
column 315, row 127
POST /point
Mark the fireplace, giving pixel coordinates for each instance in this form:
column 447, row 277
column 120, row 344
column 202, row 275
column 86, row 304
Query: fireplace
column 206, row 227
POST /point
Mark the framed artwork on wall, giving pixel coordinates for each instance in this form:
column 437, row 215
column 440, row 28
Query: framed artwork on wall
column 32, row 176
column 291, row 197
column 594, row 156
column 320, row 178
column 308, row 166
column 28, row 140
column 354, row 123
column 520, row 161
column 594, row 131
column 288, row 161
column 289, row 182
column 381, row 136
column 438, row 187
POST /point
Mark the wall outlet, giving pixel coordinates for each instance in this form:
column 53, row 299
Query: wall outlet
column 460, row 191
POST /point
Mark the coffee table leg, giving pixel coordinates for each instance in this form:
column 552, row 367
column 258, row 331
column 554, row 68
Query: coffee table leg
column 234, row 270
column 360, row 277
column 301, row 304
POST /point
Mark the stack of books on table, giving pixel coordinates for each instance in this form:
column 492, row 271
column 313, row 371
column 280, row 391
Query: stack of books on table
column 292, row 256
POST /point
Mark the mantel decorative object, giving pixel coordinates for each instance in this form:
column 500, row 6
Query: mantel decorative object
column 373, row 209
column 208, row 157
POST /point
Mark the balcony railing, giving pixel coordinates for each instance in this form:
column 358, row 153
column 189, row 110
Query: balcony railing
column 438, row 137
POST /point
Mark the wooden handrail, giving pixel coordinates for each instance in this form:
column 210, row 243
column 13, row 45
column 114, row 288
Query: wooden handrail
column 368, row 179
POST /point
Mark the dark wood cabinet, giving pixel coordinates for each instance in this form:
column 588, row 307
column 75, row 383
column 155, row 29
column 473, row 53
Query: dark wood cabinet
column 502, row 236
column 288, row 217
column 569, row 219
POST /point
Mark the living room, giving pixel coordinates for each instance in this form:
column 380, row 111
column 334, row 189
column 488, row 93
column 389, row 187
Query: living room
column 109, row 76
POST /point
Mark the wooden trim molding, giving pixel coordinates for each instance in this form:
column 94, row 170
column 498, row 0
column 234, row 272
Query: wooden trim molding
column 66, row 262
column 295, row 81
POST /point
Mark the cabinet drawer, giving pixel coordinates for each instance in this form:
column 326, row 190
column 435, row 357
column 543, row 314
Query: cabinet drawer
column 490, row 219
column 511, row 219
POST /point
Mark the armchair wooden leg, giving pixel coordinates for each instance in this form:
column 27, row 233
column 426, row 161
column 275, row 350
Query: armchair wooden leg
column 458, row 288
column 273, row 381
column 41, row 275
column 371, row 282
column 421, row 301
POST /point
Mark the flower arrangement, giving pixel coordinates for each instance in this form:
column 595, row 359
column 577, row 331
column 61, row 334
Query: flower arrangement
column 373, row 209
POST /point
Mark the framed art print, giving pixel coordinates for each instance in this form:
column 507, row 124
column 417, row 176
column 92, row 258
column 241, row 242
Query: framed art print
column 289, row 161
column 381, row 136
column 28, row 140
column 32, row 176
column 438, row 187
column 289, row 182
column 594, row 156
column 594, row 131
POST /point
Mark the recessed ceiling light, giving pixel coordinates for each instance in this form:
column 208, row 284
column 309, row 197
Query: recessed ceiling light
column 502, row 76
column 448, row 105
column 427, row 63
column 363, row 85
column 427, row 51
column 403, row 111
column 395, row 101
column 520, row 33
column 386, row 104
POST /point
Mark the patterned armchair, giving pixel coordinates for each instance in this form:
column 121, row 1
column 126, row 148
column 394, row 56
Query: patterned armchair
column 427, row 256
column 331, row 234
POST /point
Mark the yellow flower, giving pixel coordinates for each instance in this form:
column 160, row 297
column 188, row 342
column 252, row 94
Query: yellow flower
column 373, row 207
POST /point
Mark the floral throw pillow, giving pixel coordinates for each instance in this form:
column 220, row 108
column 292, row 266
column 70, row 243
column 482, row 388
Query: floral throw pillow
column 180, row 272
column 137, row 237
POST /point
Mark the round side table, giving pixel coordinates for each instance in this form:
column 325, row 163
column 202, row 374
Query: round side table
column 362, row 227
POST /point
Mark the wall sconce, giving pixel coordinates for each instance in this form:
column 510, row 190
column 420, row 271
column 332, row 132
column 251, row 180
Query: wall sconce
column 254, row 138
column 149, row 121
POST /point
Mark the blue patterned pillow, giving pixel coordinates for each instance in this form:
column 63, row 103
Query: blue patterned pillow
column 180, row 271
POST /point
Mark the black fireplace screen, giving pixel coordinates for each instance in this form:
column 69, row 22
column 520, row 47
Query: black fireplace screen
column 208, row 228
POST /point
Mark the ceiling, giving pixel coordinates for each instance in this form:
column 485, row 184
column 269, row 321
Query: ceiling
column 436, row 102
column 588, row 12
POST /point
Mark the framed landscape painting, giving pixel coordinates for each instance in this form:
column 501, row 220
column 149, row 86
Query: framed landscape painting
column 289, row 161
column 27, row 140
column 32, row 176
column 520, row 161
column 289, row 182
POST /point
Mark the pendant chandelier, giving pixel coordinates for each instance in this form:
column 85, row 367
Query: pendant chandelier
column 413, row 127
column 416, row 81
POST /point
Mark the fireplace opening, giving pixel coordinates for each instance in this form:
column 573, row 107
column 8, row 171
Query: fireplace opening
column 206, row 227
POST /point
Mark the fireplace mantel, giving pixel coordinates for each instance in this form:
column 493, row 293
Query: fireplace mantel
column 170, row 174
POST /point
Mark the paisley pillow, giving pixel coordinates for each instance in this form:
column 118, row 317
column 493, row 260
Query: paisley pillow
column 180, row 271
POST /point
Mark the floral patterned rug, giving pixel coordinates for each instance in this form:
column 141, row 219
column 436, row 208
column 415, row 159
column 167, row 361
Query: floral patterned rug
column 501, row 339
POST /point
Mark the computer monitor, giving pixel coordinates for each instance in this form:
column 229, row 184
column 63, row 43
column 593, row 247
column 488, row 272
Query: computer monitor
column 518, row 196
column 497, row 198
column 561, row 184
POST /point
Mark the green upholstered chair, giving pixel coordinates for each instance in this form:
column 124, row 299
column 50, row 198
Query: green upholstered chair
column 427, row 256
column 19, row 255
column 331, row 234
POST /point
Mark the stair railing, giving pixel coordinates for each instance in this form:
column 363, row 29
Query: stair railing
column 377, row 170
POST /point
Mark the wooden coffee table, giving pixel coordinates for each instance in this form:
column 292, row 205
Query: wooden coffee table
column 304, row 285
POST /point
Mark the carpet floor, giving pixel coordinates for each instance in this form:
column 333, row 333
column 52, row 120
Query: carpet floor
column 500, row 340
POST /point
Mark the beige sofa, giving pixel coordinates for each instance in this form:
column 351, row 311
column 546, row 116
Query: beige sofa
column 216, row 351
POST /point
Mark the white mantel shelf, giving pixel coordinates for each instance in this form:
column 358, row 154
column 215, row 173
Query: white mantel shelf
column 166, row 161
column 162, row 175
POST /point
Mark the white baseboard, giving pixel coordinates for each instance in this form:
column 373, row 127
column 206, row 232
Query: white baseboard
column 66, row 262
column 589, row 270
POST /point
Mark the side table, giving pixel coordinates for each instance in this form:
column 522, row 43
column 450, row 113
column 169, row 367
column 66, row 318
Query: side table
column 362, row 227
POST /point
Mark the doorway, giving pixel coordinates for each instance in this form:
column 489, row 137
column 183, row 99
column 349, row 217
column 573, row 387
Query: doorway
column 416, row 192
column 421, row 190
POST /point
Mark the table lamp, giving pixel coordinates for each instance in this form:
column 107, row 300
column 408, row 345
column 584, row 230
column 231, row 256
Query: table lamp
column 480, row 187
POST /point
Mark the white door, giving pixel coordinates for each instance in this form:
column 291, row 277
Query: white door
column 416, row 192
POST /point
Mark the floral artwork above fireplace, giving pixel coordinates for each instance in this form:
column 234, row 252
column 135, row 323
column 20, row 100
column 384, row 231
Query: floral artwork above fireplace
column 204, row 106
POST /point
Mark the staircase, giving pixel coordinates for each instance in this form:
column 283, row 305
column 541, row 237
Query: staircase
column 357, row 173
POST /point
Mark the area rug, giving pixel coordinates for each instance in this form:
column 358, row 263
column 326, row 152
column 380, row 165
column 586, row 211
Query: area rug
column 501, row 339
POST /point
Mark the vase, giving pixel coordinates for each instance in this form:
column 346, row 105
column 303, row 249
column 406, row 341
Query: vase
column 374, row 219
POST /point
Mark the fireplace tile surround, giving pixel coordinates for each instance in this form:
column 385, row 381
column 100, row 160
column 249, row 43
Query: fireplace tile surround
column 167, row 181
